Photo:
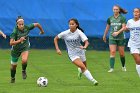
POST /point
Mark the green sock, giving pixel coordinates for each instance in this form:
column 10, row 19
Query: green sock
column 112, row 62
column 13, row 72
column 122, row 61
column 24, row 66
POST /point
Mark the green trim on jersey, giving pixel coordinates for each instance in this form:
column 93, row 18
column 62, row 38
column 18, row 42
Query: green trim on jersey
column 116, row 25
column 16, row 35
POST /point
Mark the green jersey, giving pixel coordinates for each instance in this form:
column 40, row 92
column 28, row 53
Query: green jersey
column 116, row 25
column 17, row 34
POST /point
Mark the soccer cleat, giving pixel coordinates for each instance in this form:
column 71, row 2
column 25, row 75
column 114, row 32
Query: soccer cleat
column 24, row 75
column 111, row 70
column 124, row 69
column 95, row 82
column 79, row 73
column 12, row 80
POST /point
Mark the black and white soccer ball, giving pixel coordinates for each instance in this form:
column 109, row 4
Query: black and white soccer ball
column 42, row 81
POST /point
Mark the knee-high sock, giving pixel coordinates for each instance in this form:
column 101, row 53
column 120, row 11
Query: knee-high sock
column 13, row 72
column 138, row 69
column 122, row 61
column 88, row 75
column 24, row 66
column 112, row 62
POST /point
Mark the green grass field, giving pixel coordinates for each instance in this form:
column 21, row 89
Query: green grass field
column 62, row 74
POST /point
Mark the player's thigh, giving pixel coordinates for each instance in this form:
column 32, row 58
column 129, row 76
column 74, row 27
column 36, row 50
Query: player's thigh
column 112, row 49
column 78, row 62
column 24, row 56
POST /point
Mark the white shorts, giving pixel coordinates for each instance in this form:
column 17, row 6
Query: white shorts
column 134, row 50
column 83, row 58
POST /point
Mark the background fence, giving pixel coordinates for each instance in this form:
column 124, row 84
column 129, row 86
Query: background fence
column 53, row 15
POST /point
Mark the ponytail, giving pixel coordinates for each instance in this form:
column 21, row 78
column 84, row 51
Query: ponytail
column 122, row 11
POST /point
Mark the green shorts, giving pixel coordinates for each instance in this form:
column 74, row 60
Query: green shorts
column 117, row 42
column 16, row 54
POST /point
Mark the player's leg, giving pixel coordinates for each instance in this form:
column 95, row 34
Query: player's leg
column 121, row 46
column 122, row 57
column 13, row 68
column 136, row 55
column 24, row 56
column 137, row 60
column 112, row 47
column 85, row 71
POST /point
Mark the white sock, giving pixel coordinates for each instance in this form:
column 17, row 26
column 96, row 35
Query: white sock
column 88, row 75
column 138, row 69
column 79, row 69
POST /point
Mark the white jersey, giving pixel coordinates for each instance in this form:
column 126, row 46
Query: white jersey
column 72, row 40
column 134, row 28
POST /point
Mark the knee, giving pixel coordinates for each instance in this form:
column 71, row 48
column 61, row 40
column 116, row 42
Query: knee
column 24, row 60
column 112, row 53
column 83, row 68
column 13, row 67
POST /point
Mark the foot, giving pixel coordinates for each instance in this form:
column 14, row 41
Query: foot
column 124, row 69
column 79, row 73
column 95, row 82
column 111, row 70
column 24, row 75
column 12, row 80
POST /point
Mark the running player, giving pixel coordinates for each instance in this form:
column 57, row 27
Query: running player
column 19, row 40
column 76, row 51
column 133, row 25
column 117, row 24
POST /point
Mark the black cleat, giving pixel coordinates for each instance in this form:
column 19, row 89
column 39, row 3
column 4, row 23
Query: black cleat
column 12, row 80
column 24, row 75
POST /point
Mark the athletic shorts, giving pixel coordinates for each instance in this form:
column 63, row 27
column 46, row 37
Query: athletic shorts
column 117, row 42
column 78, row 55
column 16, row 54
column 134, row 50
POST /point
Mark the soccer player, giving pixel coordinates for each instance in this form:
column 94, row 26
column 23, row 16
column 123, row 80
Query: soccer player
column 117, row 24
column 19, row 40
column 1, row 33
column 76, row 51
column 133, row 25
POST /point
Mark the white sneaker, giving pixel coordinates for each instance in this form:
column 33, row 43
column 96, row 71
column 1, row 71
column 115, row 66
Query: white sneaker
column 95, row 82
column 124, row 69
column 111, row 70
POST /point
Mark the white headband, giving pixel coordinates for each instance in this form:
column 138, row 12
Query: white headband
column 20, row 20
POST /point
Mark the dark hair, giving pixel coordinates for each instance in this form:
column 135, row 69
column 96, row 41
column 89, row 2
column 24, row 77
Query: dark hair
column 19, row 17
column 76, row 21
column 121, row 9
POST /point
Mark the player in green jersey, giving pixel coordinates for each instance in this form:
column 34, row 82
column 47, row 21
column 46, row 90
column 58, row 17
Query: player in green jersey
column 19, row 40
column 1, row 33
column 116, row 23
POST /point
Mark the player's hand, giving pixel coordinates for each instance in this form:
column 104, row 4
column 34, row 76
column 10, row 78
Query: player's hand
column 22, row 39
column 4, row 36
column 41, row 32
column 104, row 39
column 59, row 52
column 81, row 47
column 115, row 34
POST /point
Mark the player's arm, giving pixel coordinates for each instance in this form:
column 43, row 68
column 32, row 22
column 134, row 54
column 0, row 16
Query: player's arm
column 40, row 27
column 56, row 45
column 86, row 44
column 1, row 33
column 106, row 32
column 120, row 31
column 13, row 42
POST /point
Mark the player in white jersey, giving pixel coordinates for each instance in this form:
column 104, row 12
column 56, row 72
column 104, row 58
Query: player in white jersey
column 1, row 33
column 133, row 25
column 76, row 51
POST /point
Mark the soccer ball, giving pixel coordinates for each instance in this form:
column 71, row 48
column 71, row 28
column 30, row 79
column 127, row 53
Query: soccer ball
column 42, row 81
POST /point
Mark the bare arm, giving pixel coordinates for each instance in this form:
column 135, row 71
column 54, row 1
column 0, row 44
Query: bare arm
column 120, row 31
column 13, row 42
column 106, row 32
column 56, row 45
column 1, row 33
column 40, row 27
